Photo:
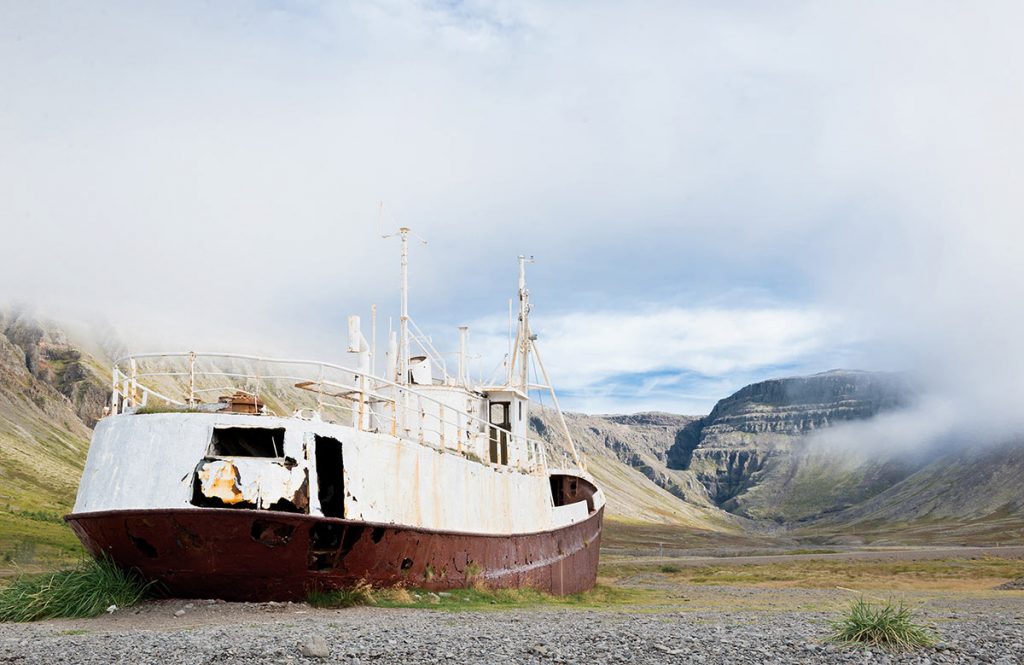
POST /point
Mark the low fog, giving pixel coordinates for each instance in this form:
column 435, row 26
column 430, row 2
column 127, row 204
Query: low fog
column 715, row 194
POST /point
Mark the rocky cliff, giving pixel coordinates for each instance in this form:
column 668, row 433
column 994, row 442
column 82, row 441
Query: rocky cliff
column 753, row 455
column 55, row 361
column 628, row 456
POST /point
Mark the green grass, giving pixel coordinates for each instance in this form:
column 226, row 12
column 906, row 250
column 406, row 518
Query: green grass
column 885, row 625
column 31, row 543
column 162, row 408
column 477, row 597
column 951, row 574
column 84, row 591
column 670, row 568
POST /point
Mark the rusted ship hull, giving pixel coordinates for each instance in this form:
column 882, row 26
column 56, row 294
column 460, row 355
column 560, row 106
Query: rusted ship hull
column 260, row 555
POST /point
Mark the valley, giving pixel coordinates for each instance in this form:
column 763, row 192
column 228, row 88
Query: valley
column 754, row 473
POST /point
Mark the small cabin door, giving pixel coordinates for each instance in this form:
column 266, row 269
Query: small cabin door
column 330, row 476
column 501, row 417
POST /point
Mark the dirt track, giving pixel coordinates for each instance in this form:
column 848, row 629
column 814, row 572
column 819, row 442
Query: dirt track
column 888, row 554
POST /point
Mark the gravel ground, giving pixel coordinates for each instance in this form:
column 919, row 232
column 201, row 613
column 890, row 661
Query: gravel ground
column 974, row 629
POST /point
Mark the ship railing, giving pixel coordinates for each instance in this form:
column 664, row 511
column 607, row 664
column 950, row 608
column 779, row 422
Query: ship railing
column 373, row 403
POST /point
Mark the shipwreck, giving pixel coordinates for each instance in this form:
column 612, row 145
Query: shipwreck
column 246, row 478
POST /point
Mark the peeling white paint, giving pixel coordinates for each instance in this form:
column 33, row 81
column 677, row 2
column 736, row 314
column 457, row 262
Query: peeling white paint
column 150, row 461
column 259, row 482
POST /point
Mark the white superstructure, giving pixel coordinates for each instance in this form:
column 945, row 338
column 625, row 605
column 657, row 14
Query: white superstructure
column 416, row 447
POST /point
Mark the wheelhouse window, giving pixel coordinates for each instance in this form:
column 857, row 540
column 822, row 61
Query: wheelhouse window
column 247, row 442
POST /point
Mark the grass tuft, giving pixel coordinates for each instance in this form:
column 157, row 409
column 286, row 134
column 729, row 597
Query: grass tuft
column 361, row 594
column 671, row 568
column 85, row 591
column 886, row 625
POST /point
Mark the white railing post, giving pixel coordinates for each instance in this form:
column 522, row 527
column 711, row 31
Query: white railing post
column 134, row 381
column 191, row 379
column 113, row 391
column 423, row 415
column 320, row 391
column 440, row 423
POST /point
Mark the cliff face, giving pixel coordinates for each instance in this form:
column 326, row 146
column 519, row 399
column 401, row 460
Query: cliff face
column 53, row 360
column 753, row 455
column 628, row 456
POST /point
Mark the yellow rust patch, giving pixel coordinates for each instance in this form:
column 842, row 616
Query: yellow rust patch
column 220, row 481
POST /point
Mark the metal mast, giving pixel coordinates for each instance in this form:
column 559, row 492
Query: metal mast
column 403, row 352
column 527, row 341
column 524, row 327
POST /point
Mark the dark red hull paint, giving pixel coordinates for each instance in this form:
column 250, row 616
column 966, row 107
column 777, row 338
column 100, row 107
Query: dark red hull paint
column 263, row 555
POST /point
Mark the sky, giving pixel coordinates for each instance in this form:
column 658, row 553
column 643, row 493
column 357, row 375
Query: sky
column 714, row 193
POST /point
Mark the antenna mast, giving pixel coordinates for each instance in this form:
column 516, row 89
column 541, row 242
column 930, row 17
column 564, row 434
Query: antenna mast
column 403, row 352
column 402, row 366
column 524, row 327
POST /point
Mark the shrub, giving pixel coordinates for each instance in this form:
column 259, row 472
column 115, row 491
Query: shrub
column 84, row 591
column 671, row 568
column 889, row 625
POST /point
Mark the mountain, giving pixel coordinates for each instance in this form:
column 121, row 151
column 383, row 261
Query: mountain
column 969, row 494
column 755, row 456
column 50, row 394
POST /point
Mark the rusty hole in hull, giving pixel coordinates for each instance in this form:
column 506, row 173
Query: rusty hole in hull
column 406, row 563
column 185, row 538
column 377, row 535
column 352, row 535
column 270, row 533
column 143, row 546
column 324, row 542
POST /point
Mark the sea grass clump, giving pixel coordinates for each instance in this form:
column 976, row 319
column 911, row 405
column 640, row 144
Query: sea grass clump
column 889, row 625
column 87, row 590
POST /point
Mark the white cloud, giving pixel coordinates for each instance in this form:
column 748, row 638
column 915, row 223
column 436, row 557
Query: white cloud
column 602, row 357
column 210, row 172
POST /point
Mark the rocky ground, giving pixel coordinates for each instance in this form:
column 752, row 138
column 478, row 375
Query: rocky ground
column 704, row 625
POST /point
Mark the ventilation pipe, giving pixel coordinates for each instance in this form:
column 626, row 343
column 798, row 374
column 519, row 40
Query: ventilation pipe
column 393, row 356
column 358, row 344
